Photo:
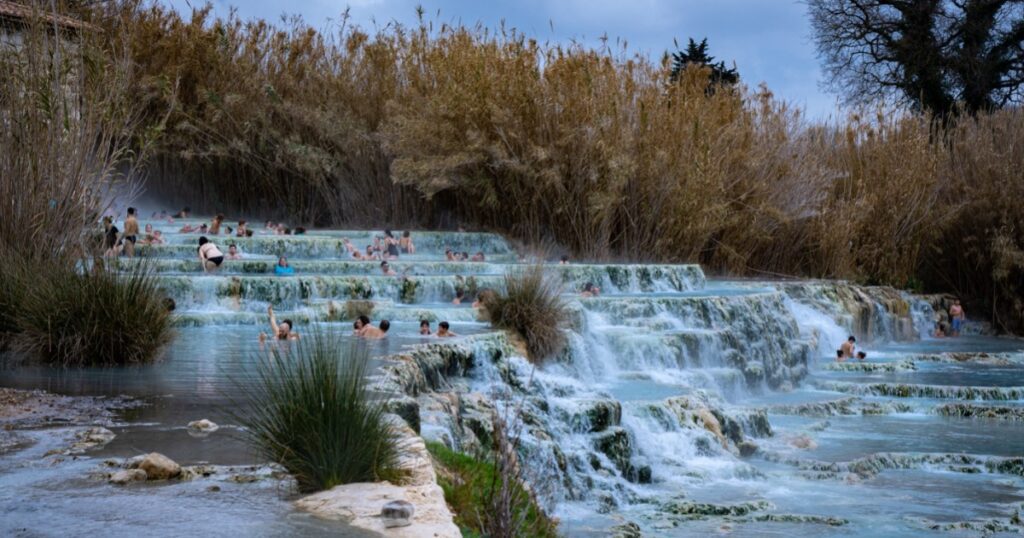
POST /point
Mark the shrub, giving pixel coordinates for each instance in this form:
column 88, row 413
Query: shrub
column 310, row 409
column 83, row 318
column 469, row 486
column 531, row 305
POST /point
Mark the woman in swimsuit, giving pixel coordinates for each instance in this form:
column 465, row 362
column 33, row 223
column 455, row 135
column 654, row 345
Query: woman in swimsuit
column 209, row 255
column 390, row 244
column 217, row 221
column 282, row 268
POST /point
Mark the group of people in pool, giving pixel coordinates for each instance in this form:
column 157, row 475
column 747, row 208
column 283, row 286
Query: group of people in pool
column 362, row 327
column 848, row 350
column 385, row 247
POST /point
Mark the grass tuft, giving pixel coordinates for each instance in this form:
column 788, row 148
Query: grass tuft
column 309, row 407
column 532, row 306
column 72, row 317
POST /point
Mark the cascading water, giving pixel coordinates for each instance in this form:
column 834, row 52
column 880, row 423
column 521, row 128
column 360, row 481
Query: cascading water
column 682, row 405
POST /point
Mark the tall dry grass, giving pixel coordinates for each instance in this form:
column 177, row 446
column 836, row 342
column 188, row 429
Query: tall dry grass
column 594, row 149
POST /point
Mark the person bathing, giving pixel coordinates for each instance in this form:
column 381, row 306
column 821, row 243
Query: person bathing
column 209, row 255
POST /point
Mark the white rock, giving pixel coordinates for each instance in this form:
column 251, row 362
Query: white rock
column 92, row 438
column 360, row 504
column 127, row 476
column 159, row 467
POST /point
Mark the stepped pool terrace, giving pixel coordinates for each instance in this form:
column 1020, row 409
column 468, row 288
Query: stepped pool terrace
column 683, row 405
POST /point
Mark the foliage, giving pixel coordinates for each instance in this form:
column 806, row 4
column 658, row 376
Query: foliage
column 531, row 305
column 72, row 317
column 309, row 407
column 935, row 54
column 696, row 54
column 467, row 483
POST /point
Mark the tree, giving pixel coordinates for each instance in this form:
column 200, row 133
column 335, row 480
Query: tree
column 697, row 54
column 935, row 55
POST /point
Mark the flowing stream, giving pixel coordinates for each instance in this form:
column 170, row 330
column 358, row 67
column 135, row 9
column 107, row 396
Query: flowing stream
column 683, row 405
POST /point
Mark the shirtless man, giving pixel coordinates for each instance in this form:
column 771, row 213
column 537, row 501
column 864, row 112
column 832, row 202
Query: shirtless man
column 956, row 317
column 374, row 333
column 386, row 269
column 281, row 331
column 847, row 349
column 131, row 233
column 443, row 330
column 590, row 290
column 233, row 253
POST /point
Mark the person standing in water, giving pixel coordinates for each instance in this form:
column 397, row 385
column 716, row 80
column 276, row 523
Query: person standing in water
column 131, row 233
column 956, row 317
column 847, row 349
column 406, row 244
column 209, row 255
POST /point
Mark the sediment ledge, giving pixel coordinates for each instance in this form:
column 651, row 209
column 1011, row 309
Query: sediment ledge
column 842, row 407
column 899, row 390
column 870, row 466
column 968, row 410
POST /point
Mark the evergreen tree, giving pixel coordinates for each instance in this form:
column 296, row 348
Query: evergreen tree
column 697, row 54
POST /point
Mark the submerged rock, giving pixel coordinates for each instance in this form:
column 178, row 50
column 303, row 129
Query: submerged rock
column 625, row 530
column 969, row 410
column 91, row 438
column 689, row 508
column 202, row 427
column 159, row 467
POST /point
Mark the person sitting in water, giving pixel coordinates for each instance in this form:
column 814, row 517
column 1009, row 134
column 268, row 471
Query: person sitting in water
column 210, row 257
column 590, row 290
column 361, row 323
column 940, row 330
column 425, row 327
column 848, row 348
column 387, row 270
column 839, row 355
column 282, row 268
column 158, row 238
column 460, row 294
column 233, row 253
column 375, row 333
column 370, row 254
column 448, row 255
column 405, row 243
column 183, row 214
column 280, row 331
column 202, row 228
column 217, row 221
column 564, row 260
column 357, row 255
column 478, row 257
column 956, row 316
column 241, row 229
column 464, row 257
column 186, row 229
column 861, row 355
column 443, row 330
column 348, row 245
column 147, row 239
column 390, row 245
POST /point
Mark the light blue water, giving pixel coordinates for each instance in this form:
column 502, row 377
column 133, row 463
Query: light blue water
column 656, row 334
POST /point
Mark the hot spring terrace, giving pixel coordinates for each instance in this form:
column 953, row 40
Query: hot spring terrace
column 683, row 404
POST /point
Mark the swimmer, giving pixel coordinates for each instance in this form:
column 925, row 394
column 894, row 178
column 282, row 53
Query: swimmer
column 233, row 253
column 209, row 255
column 443, row 330
column 376, row 333
column 590, row 290
column 425, row 327
column 281, row 331
column 387, row 270
column 282, row 268
column 848, row 348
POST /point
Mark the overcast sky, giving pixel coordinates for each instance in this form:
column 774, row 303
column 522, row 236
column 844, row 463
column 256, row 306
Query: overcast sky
column 769, row 40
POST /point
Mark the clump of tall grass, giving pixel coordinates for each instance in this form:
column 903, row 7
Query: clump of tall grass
column 75, row 317
column 310, row 408
column 530, row 305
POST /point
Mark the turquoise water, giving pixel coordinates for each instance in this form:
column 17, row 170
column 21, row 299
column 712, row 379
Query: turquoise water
column 657, row 334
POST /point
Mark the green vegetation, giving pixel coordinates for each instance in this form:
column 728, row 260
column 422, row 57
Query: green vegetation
column 73, row 317
column 469, row 484
column 531, row 305
column 309, row 407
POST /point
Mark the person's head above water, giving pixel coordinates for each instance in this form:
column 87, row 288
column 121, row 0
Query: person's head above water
column 364, row 320
column 405, row 233
column 443, row 325
column 149, row 228
column 284, row 328
column 385, row 325
column 203, row 240
column 131, row 211
column 387, row 233
column 862, row 355
column 424, row 326
column 232, row 248
column 588, row 287
column 282, row 261
column 852, row 339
